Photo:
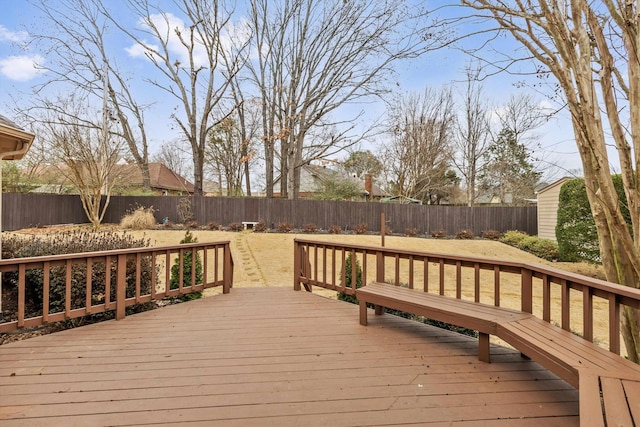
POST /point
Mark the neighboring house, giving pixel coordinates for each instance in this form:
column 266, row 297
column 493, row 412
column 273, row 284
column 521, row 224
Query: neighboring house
column 313, row 176
column 164, row 181
column 548, row 198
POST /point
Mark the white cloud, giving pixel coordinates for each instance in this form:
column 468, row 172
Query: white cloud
column 137, row 51
column 166, row 25
column 12, row 36
column 21, row 68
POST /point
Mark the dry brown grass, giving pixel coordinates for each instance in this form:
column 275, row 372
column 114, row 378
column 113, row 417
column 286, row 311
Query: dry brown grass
column 140, row 219
column 266, row 260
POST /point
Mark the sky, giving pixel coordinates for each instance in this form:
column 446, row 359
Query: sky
column 18, row 75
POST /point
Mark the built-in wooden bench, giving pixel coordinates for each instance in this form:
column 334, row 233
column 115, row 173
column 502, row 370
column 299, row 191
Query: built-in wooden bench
column 480, row 317
column 609, row 385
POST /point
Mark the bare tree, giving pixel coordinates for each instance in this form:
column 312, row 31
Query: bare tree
column 78, row 56
column 314, row 57
column 472, row 133
column 187, row 53
column 83, row 153
column 418, row 154
column 227, row 154
column 174, row 157
column 591, row 50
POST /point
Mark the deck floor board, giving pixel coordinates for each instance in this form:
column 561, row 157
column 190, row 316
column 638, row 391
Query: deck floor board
column 272, row 356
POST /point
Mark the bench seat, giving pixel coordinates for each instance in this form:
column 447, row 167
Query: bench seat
column 563, row 352
column 467, row 314
column 609, row 385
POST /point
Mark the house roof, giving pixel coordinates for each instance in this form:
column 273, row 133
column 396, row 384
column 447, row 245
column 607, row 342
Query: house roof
column 161, row 177
column 311, row 174
column 553, row 184
column 14, row 141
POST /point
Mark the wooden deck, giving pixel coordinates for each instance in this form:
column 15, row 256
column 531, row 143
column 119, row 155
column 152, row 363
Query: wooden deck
column 272, row 356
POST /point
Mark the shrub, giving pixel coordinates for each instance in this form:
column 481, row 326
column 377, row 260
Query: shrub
column 542, row 248
column 575, row 228
column 387, row 230
column 139, row 219
column 187, row 265
column 361, row 228
column 260, row 227
column 513, row 237
column 168, row 224
column 411, row 232
column 491, row 235
column 67, row 243
column 284, row 227
column 547, row 249
column 236, row 226
column 335, row 229
column 309, row 228
column 348, row 277
column 438, row 234
column 212, row 225
column 192, row 224
column 465, row 234
column 184, row 210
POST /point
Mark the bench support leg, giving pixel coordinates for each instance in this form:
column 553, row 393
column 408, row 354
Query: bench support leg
column 378, row 309
column 363, row 313
column 483, row 347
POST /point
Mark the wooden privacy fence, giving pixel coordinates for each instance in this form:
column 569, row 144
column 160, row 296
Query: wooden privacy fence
column 115, row 279
column 547, row 292
column 30, row 210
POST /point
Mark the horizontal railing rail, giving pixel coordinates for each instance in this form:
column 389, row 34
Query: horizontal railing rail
column 547, row 292
column 115, row 279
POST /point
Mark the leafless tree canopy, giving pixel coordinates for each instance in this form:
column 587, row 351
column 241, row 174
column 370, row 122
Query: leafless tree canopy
column 472, row 132
column 314, row 57
column 80, row 59
column 418, row 156
column 192, row 74
column 80, row 152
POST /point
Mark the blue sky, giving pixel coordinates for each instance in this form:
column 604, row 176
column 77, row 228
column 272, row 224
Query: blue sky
column 17, row 76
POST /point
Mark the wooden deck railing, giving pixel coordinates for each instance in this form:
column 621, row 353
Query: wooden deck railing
column 546, row 292
column 127, row 277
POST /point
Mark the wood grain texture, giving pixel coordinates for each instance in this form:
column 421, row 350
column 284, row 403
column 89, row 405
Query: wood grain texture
column 272, row 356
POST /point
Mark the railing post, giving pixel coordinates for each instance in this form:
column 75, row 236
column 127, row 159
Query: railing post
column 296, row 266
column 228, row 270
column 121, row 286
column 526, row 280
column 379, row 267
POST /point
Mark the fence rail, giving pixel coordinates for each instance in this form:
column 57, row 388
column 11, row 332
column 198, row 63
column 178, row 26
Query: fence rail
column 115, row 280
column 546, row 292
column 30, row 210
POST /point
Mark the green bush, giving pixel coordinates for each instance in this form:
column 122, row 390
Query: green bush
column 186, row 270
column 15, row 246
column 542, row 248
column 514, row 237
column 576, row 230
column 348, row 277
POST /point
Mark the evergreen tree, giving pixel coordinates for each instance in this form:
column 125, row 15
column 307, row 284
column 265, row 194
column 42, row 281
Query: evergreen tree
column 510, row 169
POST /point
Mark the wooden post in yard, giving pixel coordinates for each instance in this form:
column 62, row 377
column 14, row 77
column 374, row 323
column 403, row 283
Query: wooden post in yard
column 382, row 228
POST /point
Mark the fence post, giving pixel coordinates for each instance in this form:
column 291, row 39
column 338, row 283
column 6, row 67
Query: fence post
column 121, row 286
column 526, row 280
column 228, row 270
